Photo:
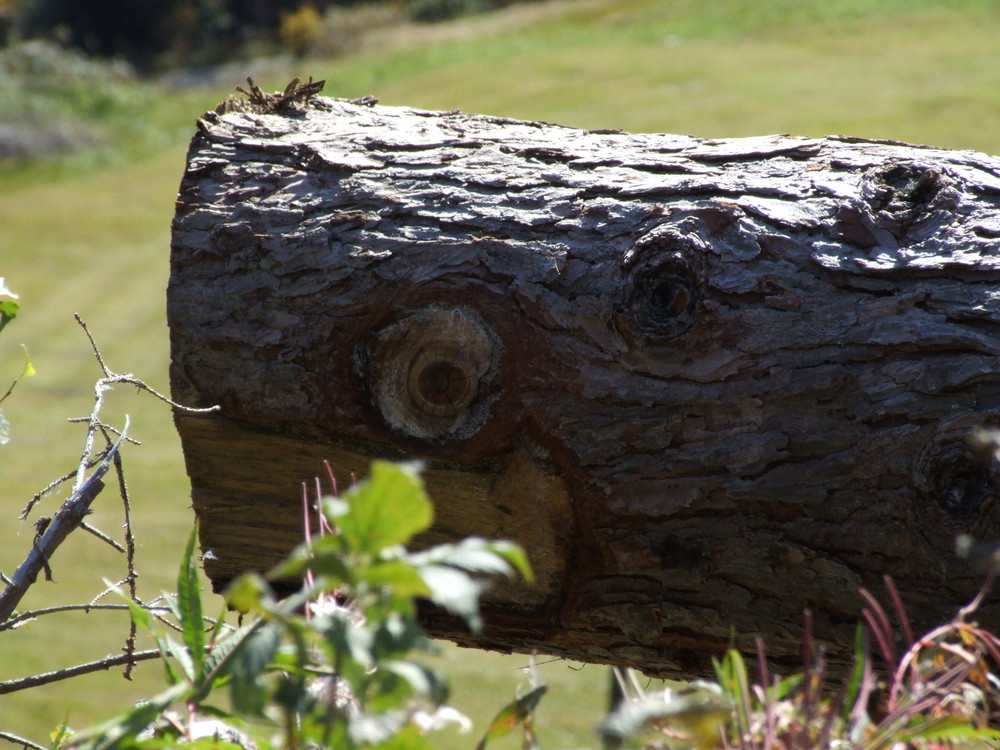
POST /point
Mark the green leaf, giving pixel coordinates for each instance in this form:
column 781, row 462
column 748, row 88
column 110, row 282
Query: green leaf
column 455, row 591
column 516, row 556
column 351, row 640
column 324, row 557
column 422, row 680
column 247, row 666
column 398, row 633
column 216, row 660
column 249, row 593
column 189, row 605
column 141, row 617
column 958, row 730
column 478, row 556
column 219, row 629
column 170, row 647
column 512, row 715
column 293, row 694
column 697, row 714
column 61, row 735
column 853, row 685
column 8, row 304
column 29, row 369
column 385, row 510
column 334, row 508
column 113, row 732
column 399, row 576
column 8, row 311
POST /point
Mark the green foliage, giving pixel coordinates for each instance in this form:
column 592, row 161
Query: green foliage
column 8, row 304
column 942, row 692
column 9, row 308
column 138, row 32
column 301, row 29
column 54, row 100
column 435, row 11
column 329, row 665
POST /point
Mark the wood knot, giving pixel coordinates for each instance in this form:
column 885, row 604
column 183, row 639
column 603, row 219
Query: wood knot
column 661, row 289
column 429, row 372
column 909, row 199
column 957, row 480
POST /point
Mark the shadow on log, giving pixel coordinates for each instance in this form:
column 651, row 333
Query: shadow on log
column 707, row 384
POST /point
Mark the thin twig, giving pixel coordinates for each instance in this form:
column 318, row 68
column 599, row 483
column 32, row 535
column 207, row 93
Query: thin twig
column 130, row 379
column 129, row 556
column 105, row 426
column 18, row 740
column 112, row 378
column 9, row 391
column 34, row 614
column 24, row 683
column 112, row 588
column 102, row 536
column 51, row 486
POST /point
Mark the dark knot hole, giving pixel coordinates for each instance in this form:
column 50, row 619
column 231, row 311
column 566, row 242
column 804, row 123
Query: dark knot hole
column 964, row 485
column 442, row 384
column 668, row 299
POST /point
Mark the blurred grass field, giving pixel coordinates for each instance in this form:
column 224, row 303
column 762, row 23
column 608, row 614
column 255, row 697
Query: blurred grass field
column 90, row 234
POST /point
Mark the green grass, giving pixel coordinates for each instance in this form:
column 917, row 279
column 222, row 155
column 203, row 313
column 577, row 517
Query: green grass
column 918, row 72
column 90, row 234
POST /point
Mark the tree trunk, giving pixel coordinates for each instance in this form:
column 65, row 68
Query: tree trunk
column 707, row 384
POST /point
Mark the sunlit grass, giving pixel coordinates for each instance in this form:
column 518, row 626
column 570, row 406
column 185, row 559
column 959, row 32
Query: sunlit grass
column 926, row 77
column 90, row 234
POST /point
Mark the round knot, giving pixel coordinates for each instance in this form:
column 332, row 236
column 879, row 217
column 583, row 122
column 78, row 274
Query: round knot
column 429, row 372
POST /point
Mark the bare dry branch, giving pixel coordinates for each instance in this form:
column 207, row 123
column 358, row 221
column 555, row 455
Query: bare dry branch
column 24, row 683
column 68, row 517
column 19, row 740
column 34, row 614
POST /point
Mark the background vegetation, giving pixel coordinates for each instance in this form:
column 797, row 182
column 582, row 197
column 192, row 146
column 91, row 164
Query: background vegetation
column 84, row 227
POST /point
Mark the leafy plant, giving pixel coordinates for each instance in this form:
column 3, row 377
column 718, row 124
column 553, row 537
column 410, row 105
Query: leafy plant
column 329, row 665
column 940, row 692
column 520, row 712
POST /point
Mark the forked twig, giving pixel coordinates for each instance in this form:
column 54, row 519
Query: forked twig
column 66, row 519
column 85, row 489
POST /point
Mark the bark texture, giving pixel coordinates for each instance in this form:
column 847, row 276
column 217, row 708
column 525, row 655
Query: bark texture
column 707, row 384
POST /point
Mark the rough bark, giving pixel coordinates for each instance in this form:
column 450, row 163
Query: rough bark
column 708, row 384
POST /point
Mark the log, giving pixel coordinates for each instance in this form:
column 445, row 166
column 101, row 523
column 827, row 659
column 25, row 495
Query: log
column 706, row 383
